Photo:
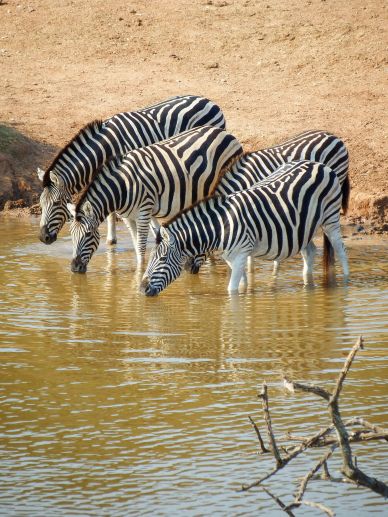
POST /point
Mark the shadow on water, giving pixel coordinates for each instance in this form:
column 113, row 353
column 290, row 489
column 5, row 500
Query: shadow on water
column 117, row 403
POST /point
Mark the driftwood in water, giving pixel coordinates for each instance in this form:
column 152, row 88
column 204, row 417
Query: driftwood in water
column 323, row 438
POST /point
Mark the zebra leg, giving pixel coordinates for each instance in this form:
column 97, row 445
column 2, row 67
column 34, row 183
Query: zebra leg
column 155, row 226
column 111, row 237
column 250, row 264
column 237, row 265
column 131, row 225
column 276, row 266
column 333, row 233
column 143, row 225
column 308, row 253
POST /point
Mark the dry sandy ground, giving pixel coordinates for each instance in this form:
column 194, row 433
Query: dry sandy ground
column 276, row 67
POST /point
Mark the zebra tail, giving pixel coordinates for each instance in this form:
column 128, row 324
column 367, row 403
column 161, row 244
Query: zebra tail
column 345, row 188
column 328, row 256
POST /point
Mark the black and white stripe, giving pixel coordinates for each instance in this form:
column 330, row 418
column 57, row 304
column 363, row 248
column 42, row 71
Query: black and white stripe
column 314, row 145
column 97, row 142
column 275, row 219
column 155, row 181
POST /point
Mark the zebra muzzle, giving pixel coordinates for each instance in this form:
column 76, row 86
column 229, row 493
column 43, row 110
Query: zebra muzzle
column 46, row 237
column 147, row 289
column 77, row 266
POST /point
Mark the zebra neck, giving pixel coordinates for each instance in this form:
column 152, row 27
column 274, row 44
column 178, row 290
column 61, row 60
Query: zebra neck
column 198, row 230
column 81, row 160
column 105, row 193
column 248, row 170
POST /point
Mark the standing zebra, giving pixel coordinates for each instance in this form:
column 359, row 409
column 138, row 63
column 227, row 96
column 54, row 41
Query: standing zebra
column 73, row 168
column 157, row 181
column 315, row 145
column 275, row 219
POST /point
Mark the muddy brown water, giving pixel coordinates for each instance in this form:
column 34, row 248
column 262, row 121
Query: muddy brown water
column 116, row 404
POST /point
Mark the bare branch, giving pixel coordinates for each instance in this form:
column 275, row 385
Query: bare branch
column 263, row 395
column 278, row 501
column 320, row 506
column 325, row 474
column 337, row 390
column 302, row 488
column 263, row 448
column 297, row 450
column 312, row 388
column 349, row 468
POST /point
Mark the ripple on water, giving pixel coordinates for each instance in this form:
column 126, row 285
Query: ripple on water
column 113, row 403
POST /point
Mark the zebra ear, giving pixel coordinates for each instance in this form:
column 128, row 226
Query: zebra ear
column 40, row 173
column 87, row 209
column 71, row 209
column 56, row 180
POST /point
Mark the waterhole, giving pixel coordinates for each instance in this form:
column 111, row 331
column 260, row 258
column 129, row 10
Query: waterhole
column 117, row 404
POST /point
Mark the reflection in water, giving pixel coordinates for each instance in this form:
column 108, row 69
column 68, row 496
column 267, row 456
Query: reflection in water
column 118, row 404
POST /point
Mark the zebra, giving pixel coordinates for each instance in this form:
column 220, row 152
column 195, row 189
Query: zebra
column 315, row 145
column 275, row 219
column 73, row 168
column 154, row 181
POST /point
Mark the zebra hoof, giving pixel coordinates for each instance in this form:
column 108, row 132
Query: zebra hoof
column 111, row 242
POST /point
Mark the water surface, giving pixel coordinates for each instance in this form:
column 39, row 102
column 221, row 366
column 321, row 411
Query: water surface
column 116, row 404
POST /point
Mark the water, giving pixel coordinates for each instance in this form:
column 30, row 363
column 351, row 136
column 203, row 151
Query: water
column 116, row 404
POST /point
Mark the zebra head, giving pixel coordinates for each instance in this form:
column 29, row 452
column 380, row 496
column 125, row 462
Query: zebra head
column 84, row 234
column 53, row 204
column 165, row 264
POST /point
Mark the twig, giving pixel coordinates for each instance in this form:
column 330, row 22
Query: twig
column 312, row 388
column 337, row 390
column 361, row 421
column 348, row 467
column 278, row 501
column 320, row 506
column 363, row 435
column 263, row 394
column 263, row 448
column 326, row 473
column 299, row 449
column 302, row 488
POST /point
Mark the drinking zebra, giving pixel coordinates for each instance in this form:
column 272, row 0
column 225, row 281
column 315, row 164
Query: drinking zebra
column 73, row 168
column 275, row 220
column 154, row 181
column 315, row 145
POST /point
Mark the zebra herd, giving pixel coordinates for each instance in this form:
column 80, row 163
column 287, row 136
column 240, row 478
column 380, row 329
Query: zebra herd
column 174, row 163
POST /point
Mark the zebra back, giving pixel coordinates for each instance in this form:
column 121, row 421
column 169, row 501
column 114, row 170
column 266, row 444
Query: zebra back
column 175, row 173
column 98, row 141
column 282, row 213
column 315, row 145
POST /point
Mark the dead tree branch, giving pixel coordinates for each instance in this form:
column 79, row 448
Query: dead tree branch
column 263, row 448
column 343, row 439
column 263, row 395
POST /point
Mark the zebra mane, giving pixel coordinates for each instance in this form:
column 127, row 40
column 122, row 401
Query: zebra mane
column 80, row 196
column 93, row 126
column 217, row 197
column 228, row 165
column 226, row 168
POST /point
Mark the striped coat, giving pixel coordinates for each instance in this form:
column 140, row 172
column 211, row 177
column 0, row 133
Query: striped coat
column 315, row 145
column 155, row 181
column 74, row 166
column 275, row 219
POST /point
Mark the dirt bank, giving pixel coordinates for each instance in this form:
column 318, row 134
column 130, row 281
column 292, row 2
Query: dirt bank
column 276, row 68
